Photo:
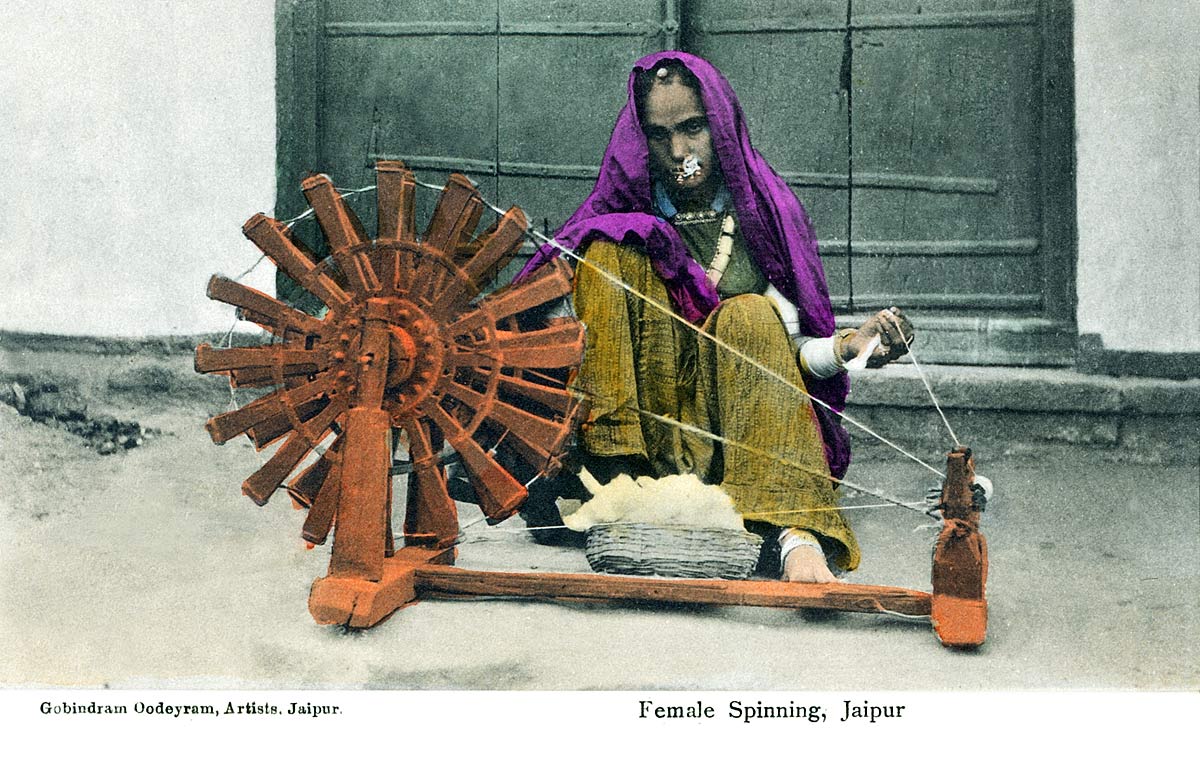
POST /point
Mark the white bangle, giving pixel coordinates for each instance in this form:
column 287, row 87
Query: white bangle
column 819, row 357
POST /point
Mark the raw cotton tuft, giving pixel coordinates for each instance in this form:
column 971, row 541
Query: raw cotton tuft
column 680, row 500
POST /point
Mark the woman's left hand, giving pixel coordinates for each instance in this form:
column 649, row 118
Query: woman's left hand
column 895, row 335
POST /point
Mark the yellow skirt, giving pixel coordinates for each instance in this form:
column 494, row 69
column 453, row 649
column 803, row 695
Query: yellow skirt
column 639, row 359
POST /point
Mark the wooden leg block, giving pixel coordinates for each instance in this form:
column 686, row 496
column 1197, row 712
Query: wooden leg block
column 959, row 622
column 360, row 603
column 333, row 598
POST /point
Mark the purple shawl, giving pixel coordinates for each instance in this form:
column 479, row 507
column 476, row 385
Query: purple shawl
column 773, row 223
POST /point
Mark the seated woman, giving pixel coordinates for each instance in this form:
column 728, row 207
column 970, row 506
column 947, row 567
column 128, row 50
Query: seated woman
column 687, row 213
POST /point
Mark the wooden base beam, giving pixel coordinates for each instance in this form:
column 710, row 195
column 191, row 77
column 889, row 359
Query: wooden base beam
column 357, row 602
column 416, row 572
column 858, row 598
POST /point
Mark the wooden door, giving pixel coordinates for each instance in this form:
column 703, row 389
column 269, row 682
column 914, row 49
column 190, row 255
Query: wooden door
column 930, row 140
column 520, row 96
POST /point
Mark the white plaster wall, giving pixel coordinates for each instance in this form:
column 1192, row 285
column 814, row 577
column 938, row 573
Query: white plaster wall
column 1137, row 74
column 135, row 138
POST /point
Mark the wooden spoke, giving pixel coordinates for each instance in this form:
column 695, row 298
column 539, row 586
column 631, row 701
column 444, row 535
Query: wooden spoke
column 557, row 346
column 456, row 215
column 270, row 430
column 338, row 221
column 499, row 493
column 402, row 272
column 305, row 487
column 534, row 438
column 472, row 356
column 271, row 313
column 321, row 514
column 430, row 275
column 224, row 427
column 559, row 400
column 381, row 261
column 543, row 433
column 432, row 516
column 395, row 189
column 551, row 281
column 272, row 239
column 342, row 230
column 263, row 482
column 210, row 360
column 454, row 220
column 257, row 377
column 538, row 431
column 498, row 246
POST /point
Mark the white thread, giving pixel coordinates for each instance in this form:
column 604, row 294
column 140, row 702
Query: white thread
column 912, row 355
column 250, row 269
column 701, row 432
column 291, row 222
column 342, row 193
column 228, row 341
column 667, row 311
column 860, row 361
column 754, row 450
column 898, row 614
column 563, row 249
column 716, row 341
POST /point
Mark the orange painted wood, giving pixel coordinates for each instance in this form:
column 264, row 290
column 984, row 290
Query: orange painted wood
column 210, row 360
column 456, row 214
column 359, row 536
column 499, row 493
column 257, row 377
column 289, row 255
column 549, row 282
column 273, row 314
column 859, row 598
column 303, row 489
column 270, row 430
column 396, row 189
column 338, row 221
column 431, row 517
column 261, row 484
column 498, row 244
column 223, row 427
column 959, row 608
column 336, row 600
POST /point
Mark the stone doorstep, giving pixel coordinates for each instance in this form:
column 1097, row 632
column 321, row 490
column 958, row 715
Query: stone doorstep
column 1029, row 412
column 1024, row 390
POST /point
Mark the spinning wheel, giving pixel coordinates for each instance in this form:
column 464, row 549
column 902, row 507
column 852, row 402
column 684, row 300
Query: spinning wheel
column 405, row 355
column 401, row 347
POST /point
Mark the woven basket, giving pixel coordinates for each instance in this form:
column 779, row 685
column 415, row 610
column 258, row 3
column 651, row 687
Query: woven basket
column 643, row 549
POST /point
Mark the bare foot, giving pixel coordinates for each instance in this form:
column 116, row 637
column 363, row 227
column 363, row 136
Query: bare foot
column 807, row 564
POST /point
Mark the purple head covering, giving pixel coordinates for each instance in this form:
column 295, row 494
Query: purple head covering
column 774, row 225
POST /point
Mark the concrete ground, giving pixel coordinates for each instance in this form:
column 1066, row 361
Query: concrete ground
column 148, row 568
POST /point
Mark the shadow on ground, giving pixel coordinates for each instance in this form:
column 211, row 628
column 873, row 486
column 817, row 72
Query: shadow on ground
column 147, row 567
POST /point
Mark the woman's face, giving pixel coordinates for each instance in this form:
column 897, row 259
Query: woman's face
column 677, row 131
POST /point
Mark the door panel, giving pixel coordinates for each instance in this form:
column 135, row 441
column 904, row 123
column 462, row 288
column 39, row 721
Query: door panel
column 563, row 72
column 784, row 63
column 952, row 106
column 930, row 140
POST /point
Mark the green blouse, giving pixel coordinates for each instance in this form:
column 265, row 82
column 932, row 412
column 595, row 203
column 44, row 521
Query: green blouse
column 700, row 232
